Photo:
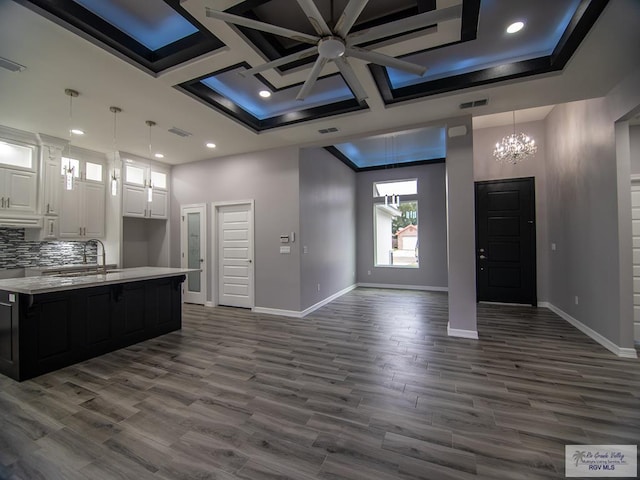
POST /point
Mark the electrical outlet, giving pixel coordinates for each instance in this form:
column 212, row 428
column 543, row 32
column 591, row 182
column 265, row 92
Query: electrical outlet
column 576, row 299
column 368, row 272
column 318, row 287
column 553, row 247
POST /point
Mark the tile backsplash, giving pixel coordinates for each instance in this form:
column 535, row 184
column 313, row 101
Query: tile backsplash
column 16, row 252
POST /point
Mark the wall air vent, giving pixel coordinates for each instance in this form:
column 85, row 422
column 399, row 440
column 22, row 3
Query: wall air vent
column 180, row 132
column 476, row 103
column 324, row 131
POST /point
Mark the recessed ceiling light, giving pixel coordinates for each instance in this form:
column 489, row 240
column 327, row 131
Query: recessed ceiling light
column 515, row 27
column 211, row 145
column 265, row 93
column 159, row 155
column 77, row 131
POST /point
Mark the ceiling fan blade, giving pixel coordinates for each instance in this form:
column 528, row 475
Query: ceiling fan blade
column 315, row 17
column 313, row 77
column 263, row 27
column 351, row 78
column 386, row 60
column 405, row 25
column 279, row 62
column 351, row 13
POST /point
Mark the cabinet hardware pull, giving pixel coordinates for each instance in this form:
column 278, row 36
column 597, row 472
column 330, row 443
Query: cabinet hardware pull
column 8, row 204
column 47, row 208
column 51, row 228
column 2, row 202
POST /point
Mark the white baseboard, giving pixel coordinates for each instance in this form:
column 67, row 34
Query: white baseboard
column 456, row 332
column 403, row 287
column 305, row 312
column 327, row 300
column 636, row 333
column 605, row 342
column 277, row 311
column 208, row 304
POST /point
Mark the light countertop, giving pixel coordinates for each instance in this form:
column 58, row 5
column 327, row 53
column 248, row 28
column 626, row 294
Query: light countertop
column 54, row 283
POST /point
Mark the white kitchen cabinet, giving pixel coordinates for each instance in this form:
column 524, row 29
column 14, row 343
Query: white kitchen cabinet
column 82, row 208
column 18, row 190
column 82, row 211
column 51, row 185
column 145, row 191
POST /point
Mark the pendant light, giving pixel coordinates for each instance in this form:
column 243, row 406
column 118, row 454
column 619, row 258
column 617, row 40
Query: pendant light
column 69, row 170
column 115, row 172
column 515, row 147
column 150, row 123
column 390, row 147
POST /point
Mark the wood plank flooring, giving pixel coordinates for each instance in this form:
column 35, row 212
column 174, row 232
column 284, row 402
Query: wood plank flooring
column 368, row 387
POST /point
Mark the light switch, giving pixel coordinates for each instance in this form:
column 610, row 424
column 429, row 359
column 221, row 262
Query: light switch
column 285, row 249
column 12, row 298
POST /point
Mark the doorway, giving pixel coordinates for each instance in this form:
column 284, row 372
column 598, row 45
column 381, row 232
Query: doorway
column 193, row 249
column 234, row 234
column 506, row 241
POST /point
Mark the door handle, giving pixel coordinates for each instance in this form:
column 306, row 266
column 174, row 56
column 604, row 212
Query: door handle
column 201, row 260
column 249, row 260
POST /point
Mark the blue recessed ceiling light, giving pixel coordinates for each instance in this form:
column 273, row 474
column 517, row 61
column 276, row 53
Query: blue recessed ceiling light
column 152, row 23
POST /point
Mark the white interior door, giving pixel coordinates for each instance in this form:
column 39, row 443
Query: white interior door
column 193, row 249
column 235, row 255
column 635, row 213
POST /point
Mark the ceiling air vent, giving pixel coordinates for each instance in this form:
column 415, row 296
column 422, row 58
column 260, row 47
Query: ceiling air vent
column 476, row 103
column 180, row 132
column 324, row 131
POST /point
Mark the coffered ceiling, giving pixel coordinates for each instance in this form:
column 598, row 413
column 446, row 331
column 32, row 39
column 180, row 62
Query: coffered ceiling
column 176, row 63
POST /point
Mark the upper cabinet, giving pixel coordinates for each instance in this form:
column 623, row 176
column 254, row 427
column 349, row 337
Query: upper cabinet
column 18, row 177
column 145, row 190
column 82, row 187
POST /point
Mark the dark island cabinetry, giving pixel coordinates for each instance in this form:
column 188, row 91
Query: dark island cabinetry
column 44, row 332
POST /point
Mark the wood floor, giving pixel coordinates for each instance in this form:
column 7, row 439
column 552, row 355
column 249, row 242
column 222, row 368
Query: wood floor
column 368, row 387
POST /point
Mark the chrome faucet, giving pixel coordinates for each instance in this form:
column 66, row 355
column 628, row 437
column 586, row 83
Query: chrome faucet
column 104, row 254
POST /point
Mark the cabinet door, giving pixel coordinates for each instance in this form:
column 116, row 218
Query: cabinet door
column 134, row 201
column 52, row 188
column 20, row 191
column 70, row 212
column 158, row 207
column 49, row 229
column 94, row 210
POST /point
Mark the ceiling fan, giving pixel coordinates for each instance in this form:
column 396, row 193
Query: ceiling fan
column 335, row 44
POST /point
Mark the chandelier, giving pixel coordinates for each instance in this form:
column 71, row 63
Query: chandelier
column 515, row 147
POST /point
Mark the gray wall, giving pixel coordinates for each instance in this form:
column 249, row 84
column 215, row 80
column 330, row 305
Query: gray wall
column 327, row 226
column 485, row 167
column 634, row 135
column 432, row 228
column 271, row 179
column 582, row 186
column 144, row 242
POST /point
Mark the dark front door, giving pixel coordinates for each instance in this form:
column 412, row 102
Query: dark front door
column 506, row 241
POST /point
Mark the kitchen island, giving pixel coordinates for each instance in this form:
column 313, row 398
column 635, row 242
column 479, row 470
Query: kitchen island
column 50, row 322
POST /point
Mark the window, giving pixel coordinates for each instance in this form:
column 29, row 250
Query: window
column 93, row 171
column 70, row 165
column 14, row 155
column 396, row 223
